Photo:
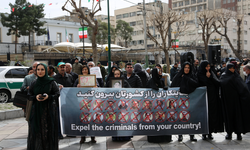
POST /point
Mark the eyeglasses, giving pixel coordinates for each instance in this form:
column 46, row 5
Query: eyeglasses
column 61, row 66
column 90, row 65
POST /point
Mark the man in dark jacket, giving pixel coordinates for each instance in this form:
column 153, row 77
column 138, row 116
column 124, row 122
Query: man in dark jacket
column 133, row 79
column 173, row 71
column 69, row 71
column 103, row 70
column 141, row 73
column 63, row 78
column 77, row 67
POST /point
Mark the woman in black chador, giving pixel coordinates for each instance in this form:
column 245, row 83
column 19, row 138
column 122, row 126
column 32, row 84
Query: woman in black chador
column 187, row 81
column 207, row 78
column 43, row 121
column 236, row 101
column 155, row 83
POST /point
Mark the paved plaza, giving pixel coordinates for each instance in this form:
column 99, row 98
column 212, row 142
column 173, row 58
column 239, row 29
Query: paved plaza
column 14, row 132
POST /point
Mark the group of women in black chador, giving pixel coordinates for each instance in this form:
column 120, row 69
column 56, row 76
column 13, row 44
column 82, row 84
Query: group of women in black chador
column 229, row 109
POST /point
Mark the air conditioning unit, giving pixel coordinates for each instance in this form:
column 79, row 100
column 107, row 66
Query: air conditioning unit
column 139, row 13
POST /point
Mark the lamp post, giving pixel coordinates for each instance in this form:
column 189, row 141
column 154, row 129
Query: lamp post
column 109, row 53
column 83, row 51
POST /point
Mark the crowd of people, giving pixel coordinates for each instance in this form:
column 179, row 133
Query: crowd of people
column 228, row 95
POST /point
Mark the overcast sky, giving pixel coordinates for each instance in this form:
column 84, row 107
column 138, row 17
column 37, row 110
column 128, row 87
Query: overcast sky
column 55, row 10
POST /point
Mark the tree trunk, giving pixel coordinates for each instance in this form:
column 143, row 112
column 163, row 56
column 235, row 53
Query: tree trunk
column 167, row 61
column 29, row 43
column 238, row 34
column 16, row 43
column 231, row 46
column 94, row 47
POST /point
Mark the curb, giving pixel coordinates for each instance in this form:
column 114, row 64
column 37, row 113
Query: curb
column 11, row 114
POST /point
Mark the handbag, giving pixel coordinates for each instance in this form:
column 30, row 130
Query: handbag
column 20, row 99
column 28, row 109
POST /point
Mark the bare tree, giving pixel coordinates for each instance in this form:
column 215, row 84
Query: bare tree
column 206, row 20
column 162, row 20
column 223, row 17
column 89, row 19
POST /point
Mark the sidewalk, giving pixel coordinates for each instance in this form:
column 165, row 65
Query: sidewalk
column 13, row 136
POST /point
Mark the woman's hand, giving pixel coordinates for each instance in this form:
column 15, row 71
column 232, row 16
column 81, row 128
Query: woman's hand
column 78, row 85
column 208, row 74
column 40, row 98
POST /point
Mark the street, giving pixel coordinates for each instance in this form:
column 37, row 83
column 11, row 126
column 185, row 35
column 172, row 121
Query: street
column 14, row 132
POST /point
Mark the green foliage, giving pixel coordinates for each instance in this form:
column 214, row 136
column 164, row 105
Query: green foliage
column 102, row 33
column 151, row 66
column 24, row 19
column 124, row 31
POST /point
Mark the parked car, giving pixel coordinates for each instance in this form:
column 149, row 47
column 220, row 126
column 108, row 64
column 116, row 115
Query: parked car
column 11, row 80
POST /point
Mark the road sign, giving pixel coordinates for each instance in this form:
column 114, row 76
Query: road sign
column 106, row 48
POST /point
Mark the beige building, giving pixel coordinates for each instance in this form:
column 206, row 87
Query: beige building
column 188, row 6
column 243, row 7
column 134, row 16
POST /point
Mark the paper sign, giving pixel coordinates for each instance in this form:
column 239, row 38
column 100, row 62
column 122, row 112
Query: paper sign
column 96, row 71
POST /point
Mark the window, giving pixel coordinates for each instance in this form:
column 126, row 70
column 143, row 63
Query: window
column 187, row 2
column 200, row 8
column 180, row 4
column 16, row 73
column 228, row 1
column 233, row 1
column 193, row 8
column 245, row 22
column 199, row 1
column 190, row 22
column 150, row 46
column 140, row 32
column 139, row 22
column 234, row 30
column 132, row 14
column 132, row 23
column 70, row 37
column 193, row 1
column 239, row 8
column 245, row 32
column 224, row 1
column 174, row 5
column 187, row 9
column 134, row 33
column 244, row 7
column 234, row 41
column 245, row 41
column 141, row 42
column 59, row 37
column 118, row 16
column 125, row 15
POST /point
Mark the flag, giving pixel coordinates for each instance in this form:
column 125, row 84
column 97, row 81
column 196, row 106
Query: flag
column 13, row 9
column 81, row 33
column 67, row 38
column 50, row 4
column 30, row 5
column 89, row 0
column 48, row 37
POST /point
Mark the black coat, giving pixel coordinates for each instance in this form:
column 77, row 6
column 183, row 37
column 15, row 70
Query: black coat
column 125, row 84
column 74, row 75
column 143, row 77
column 111, row 74
column 173, row 72
column 134, row 80
column 66, row 81
column 236, row 102
column 214, row 102
column 187, row 82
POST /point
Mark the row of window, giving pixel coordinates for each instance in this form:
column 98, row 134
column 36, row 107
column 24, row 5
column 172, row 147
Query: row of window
column 126, row 15
column 244, row 7
column 229, row 1
column 59, row 37
column 194, row 8
column 187, row 2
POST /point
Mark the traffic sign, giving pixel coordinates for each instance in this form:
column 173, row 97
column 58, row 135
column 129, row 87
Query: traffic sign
column 106, row 48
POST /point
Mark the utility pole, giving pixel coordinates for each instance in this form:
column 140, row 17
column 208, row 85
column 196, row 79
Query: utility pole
column 145, row 34
column 109, row 53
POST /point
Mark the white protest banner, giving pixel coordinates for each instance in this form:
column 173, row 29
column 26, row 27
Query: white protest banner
column 96, row 71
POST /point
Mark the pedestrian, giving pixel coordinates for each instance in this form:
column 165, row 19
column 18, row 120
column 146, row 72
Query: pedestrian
column 133, row 79
column 63, row 79
column 111, row 74
column 90, row 58
column 43, row 121
column 77, row 67
column 100, row 80
column 187, row 81
column 247, row 74
column 69, row 71
column 117, row 74
column 155, row 83
column 215, row 118
column 85, row 71
column 103, row 71
column 30, row 71
column 141, row 73
column 51, row 71
column 173, row 71
column 235, row 99
column 196, row 64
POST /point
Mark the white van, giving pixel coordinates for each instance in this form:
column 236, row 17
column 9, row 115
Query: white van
column 11, row 80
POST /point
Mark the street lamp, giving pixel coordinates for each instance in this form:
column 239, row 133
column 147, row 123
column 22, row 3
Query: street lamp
column 83, row 50
column 109, row 53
